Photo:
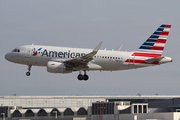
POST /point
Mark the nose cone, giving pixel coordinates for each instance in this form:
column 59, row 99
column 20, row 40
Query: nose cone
column 8, row 56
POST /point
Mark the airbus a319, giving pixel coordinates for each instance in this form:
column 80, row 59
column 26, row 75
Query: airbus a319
column 66, row 59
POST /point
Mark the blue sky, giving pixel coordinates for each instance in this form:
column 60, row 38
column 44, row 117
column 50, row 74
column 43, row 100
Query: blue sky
column 84, row 24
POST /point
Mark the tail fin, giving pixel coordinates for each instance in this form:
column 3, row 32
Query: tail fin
column 154, row 45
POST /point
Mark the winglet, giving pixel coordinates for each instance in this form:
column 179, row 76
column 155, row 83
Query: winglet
column 97, row 47
column 119, row 48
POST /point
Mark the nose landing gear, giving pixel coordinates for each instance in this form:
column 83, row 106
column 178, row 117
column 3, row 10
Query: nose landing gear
column 29, row 69
column 84, row 77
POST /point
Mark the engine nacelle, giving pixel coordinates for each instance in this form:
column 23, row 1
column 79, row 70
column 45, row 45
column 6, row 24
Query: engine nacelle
column 57, row 67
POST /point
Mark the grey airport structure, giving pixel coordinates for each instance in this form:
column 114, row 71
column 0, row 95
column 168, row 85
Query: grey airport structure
column 134, row 107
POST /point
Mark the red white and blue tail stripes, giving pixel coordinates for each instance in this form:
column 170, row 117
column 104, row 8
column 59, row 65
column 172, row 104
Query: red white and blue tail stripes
column 156, row 42
column 152, row 47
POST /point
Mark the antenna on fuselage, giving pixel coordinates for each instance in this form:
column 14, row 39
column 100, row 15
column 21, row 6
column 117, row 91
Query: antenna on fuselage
column 32, row 43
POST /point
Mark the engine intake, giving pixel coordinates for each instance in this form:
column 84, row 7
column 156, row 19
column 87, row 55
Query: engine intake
column 57, row 67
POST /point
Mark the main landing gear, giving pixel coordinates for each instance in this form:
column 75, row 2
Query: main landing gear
column 83, row 77
column 29, row 69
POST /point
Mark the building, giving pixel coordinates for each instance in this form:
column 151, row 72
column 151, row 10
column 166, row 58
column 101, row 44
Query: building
column 90, row 107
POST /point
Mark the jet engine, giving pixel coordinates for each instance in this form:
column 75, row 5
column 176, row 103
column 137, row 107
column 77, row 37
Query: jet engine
column 57, row 67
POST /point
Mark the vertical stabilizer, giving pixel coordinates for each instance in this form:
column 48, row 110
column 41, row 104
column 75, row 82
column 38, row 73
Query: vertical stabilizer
column 156, row 42
column 152, row 48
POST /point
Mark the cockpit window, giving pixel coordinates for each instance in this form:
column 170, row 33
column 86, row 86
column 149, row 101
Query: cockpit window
column 16, row 50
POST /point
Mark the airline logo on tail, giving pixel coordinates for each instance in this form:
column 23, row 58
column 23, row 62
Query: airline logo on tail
column 153, row 47
column 157, row 40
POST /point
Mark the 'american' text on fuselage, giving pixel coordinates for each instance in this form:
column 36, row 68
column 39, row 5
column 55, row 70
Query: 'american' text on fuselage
column 60, row 54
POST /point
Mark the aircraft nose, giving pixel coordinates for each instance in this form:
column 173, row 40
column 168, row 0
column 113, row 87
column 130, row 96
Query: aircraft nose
column 7, row 56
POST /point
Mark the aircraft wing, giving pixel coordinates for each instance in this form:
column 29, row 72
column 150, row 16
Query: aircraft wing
column 151, row 60
column 83, row 61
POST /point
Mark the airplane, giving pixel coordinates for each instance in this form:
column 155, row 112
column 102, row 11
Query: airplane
column 67, row 59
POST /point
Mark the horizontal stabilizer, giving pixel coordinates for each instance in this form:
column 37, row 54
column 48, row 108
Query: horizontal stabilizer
column 151, row 60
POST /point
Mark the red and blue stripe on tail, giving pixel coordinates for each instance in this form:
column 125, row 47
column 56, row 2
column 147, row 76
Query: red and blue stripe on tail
column 153, row 47
column 156, row 42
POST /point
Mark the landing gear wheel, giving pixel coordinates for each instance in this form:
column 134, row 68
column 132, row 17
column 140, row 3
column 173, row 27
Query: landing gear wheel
column 28, row 73
column 83, row 77
column 29, row 69
column 86, row 77
column 80, row 77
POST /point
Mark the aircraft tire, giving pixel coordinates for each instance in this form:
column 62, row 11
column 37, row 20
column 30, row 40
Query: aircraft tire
column 80, row 77
column 28, row 73
column 86, row 77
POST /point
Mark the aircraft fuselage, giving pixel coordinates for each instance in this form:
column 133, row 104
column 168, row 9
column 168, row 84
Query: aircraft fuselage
column 67, row 60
